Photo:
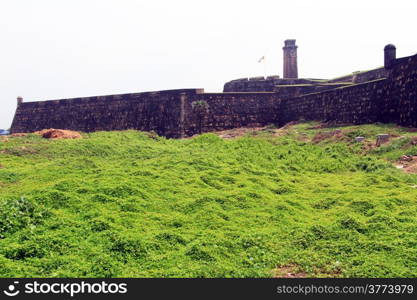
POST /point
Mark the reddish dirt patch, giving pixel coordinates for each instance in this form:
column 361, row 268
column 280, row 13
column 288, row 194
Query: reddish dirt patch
column 407, row 163
column 242, row 131
column 325, row 135
column 294, row 271
column 319, row 126
column 334, row 272
column 254, row 130
column 368, row 146
column 19, row 134
column 237, row 132
column 58, row 134
column 289, row 271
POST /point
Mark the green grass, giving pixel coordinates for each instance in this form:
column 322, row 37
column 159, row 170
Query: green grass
column 123, row 204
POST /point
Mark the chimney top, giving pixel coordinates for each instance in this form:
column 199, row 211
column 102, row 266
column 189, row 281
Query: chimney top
column 389, row 47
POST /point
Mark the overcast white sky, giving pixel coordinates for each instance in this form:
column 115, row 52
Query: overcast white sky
column 52, row 49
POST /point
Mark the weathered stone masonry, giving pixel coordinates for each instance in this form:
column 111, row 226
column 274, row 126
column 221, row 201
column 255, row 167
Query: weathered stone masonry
column 232, row 110
column 356, row 104
column 170, row 113
column 390, row 100
column 154, row 111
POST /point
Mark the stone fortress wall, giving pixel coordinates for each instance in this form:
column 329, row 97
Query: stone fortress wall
column 389, row 96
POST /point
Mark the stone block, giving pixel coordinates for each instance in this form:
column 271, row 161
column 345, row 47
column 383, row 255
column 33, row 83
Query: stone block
column 381, row 139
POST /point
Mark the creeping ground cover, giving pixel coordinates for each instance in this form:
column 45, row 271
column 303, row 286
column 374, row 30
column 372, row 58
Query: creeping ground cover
column 306, row 198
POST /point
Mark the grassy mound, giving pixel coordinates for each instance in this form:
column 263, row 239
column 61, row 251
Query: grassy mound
column 129, row 204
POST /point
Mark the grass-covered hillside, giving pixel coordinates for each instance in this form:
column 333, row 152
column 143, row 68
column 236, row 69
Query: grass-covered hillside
column 129, row 204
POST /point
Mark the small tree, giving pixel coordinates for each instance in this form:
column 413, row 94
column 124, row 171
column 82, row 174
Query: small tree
column 200, row 108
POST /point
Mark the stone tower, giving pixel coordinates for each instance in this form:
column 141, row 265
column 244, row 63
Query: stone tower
column 389, row 56
column 290, row 59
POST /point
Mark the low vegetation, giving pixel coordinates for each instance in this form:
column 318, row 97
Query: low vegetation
column 128, row 204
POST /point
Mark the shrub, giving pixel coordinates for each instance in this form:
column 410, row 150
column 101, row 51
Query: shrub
column 18, row 213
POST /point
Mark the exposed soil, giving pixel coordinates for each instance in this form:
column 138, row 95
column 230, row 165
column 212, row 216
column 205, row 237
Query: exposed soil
column 325, row 135
column 407, row 163
column 18, row 134
column 294, row 271
column 237, row 132
column 368, row 145
column 58, row 134
column 242, row 131
column 289, row 271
